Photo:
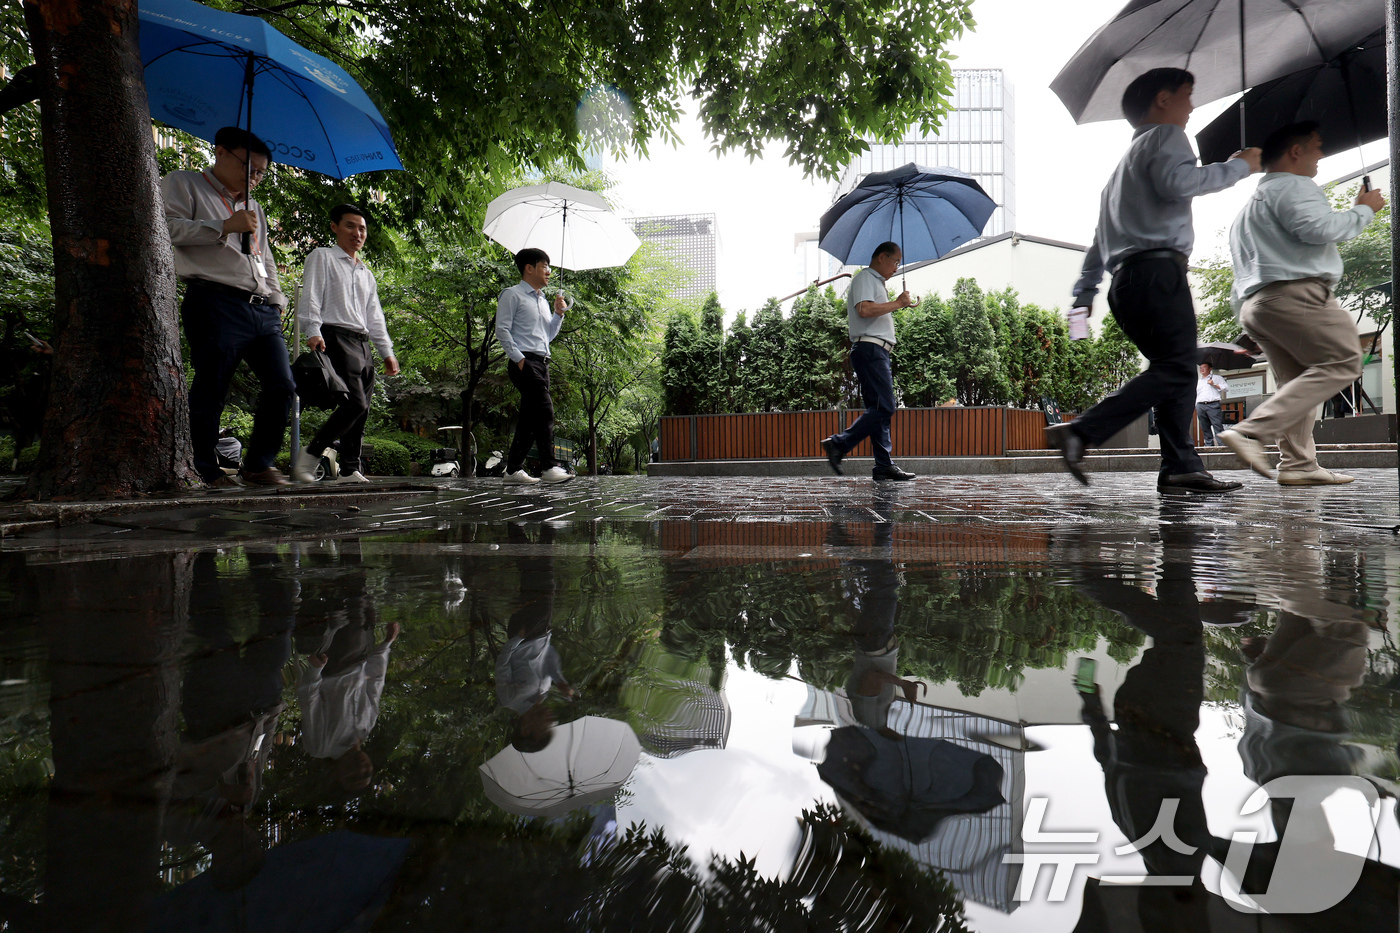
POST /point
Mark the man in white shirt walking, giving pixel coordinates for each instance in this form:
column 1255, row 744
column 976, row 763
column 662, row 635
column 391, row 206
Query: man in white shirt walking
column 868, row 315
column 1210, row 389
column 1284, row 248
column 525, row 324
column 341, row 315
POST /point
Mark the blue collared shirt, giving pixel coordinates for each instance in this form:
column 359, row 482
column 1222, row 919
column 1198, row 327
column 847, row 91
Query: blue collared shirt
column 1147, row 202
column 525, row 323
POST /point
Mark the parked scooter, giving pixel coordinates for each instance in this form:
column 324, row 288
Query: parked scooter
column 446, row 460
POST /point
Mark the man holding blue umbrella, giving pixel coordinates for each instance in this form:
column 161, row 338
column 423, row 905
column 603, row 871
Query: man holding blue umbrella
column 868, row 312
column 233, row 301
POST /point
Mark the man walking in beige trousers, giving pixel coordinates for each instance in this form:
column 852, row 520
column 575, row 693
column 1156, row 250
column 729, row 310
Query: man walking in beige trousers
column 1284, row 247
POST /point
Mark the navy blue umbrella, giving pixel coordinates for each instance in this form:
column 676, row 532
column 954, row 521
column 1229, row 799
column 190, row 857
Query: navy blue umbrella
column 203, row 67
column 927, row 211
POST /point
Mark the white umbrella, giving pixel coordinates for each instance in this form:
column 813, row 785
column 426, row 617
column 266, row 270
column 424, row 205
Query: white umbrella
column 576, row 227
column 586, row 761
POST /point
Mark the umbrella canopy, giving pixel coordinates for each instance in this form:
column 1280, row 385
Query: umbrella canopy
column 586, row 761
column 1229, row 45
column 927, row 211
column 319, row 885
column 1346, row 96
column 576, row 227
column 1226, row 356
column 205, row 69
column 907, row 786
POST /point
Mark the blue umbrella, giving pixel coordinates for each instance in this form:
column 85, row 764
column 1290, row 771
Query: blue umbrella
column 927, row 211
column 203, row 66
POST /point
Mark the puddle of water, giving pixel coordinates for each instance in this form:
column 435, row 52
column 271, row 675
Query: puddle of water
column 675, row 725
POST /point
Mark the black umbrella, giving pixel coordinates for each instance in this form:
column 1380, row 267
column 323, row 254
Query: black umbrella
column 1226, row 356
column 1229, row 45
column 1346, row 96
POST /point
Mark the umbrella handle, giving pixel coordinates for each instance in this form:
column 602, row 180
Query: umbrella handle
column 248, row 153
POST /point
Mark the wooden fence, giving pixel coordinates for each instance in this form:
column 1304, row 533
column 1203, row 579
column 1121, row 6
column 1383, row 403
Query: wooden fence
column 916, row 432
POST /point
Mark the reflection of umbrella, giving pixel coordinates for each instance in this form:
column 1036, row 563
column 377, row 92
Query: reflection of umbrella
column 908, row 785
column 927, row 211
column 1346, row 96
column 1229, row 45
column 1226, row 356
column 318, row 885
column 202, row 65
column 586, row 761
column 578, row 223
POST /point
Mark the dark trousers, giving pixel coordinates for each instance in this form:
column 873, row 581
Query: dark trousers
column 1151, row 302
column 221, row 331
column 1211, row 418
column 535, row 423
column 349, row 354
column 872, row 365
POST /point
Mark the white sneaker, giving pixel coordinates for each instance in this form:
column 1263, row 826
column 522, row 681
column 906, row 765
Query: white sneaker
column 1249, row 450
column 304, row 467
column 519, row 478
column 353, row 477
column 556, row 474
column 1317, row 477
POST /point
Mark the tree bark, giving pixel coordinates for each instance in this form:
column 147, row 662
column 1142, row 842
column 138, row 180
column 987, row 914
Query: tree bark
column 117, row 421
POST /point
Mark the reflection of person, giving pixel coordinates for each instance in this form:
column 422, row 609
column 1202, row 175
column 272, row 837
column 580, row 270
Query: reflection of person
column 342, row 683
column 230, row 699
column 1284, row 248
column 525, row 324
column 1143, row 239
column 341, row 315
column 869, row 315
column 233, row 302
column 1210, row 389
column 528, row 666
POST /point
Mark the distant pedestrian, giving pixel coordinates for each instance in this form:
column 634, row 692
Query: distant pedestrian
column 233, row 302
column 340, row 314
column 868, row 310
column 1210, row 415
column 1143, row 238
column 525, row 325
column 1284, row 247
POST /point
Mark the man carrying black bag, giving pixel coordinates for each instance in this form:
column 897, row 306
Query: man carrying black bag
column 340, row 314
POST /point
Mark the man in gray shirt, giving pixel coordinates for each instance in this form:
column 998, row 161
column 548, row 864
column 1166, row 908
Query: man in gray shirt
column 525, row 324
column 1143, row 238
column 1284, row 247
column 868, row 309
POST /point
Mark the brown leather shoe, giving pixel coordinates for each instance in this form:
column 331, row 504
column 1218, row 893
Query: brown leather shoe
column 269, row 477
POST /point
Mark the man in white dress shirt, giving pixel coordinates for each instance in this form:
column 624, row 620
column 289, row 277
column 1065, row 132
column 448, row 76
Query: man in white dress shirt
column 233, row 303
column 1210, row 415
column 1284, row 247
column 525, row 324
column 340, row 314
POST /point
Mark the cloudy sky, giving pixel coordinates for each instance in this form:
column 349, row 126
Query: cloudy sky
column 1060, row 167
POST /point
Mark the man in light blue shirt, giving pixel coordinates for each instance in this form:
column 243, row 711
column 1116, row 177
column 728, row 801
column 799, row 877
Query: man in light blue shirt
column 525, row 325
column 1284, row 247
column 1143, row 239
column 868, row 310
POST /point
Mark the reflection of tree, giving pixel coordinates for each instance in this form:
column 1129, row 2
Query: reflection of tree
column 976, row 628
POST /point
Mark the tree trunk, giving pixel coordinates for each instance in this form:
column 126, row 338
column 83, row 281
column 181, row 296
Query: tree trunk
column 117, row 422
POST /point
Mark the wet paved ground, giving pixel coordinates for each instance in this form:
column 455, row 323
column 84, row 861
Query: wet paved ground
column 670, row 704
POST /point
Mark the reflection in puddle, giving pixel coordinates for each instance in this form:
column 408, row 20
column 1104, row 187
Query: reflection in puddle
column 867, row 724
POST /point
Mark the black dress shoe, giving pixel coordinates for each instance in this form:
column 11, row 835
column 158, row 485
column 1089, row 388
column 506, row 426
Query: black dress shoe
column 833, row 454
column 1071, row 446
column 1195, row 482
column 890, row 472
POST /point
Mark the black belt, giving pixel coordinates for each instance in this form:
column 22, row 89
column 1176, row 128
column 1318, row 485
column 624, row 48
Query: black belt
column 251, row 298
column 346, row 332
column 1146, row 255
column 537, row 357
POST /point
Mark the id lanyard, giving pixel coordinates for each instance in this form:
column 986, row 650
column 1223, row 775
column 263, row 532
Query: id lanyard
column 256, row 264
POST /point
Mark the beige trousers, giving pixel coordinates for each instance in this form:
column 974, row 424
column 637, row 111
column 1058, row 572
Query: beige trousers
column 1315, row 352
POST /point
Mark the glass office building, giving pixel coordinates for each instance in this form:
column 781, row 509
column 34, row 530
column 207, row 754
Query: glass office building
column 689, row 241
column 977, row 137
